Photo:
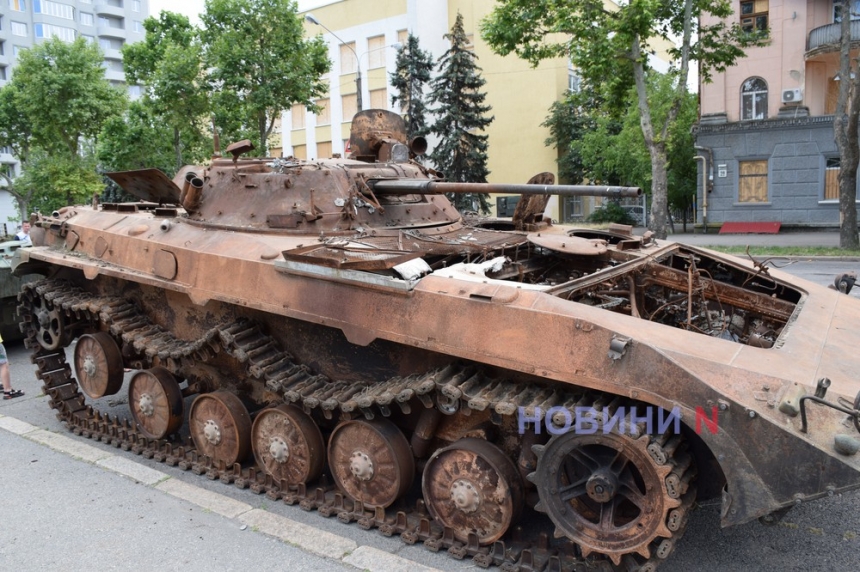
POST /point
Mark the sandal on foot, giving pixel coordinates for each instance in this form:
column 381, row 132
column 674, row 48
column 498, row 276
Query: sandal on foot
column 12, row 394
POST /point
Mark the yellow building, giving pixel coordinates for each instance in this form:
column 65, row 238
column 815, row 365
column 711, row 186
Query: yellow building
column 363, row 35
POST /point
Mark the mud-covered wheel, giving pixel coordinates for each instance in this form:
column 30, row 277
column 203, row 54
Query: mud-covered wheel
column 473, row 487
column 156, row 403
column 371, row 461
column 606, row 493
column 220, row 427
column 98, row 365
column 288, row 445
column 52, row 332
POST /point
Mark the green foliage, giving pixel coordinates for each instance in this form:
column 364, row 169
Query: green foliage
column 54, row 180
column 137, row 140
column 169, row 64
column 456, row 92
column 412, row 74
column 63, row 92
column 259, row 63
column 50, row 113
column 610, row 49
column 611, row 211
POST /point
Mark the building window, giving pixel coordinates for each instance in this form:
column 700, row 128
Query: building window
column 87, row 19
column 349, row 105
column 90, row 39
column 324, row 116
column 19, row 29
column 376, row 52
column 300, row 151
column 402, row 36
column 324, row 150
column 831, row 179
column 18, row 5
column 754, row 15
column 2, row 73
column 298, row 116
column 752, row 183
column 347, row 58
column 106, row 22
column 56, row 9
column 17, row 50
column 837, row 10
column 49, row 30
column 138, row 26
column 754, row 99
column 379, row 98
column 135, row 5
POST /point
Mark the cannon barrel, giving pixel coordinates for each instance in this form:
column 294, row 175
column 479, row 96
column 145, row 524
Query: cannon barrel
column 424, row 187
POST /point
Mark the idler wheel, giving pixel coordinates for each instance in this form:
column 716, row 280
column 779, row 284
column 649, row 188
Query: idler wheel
column 156, row 403
column 371, row 461
column 51, row 325
column 98, row 365
column 606, row 493
column 473, row 487
column 221, row 427
column 288, row 445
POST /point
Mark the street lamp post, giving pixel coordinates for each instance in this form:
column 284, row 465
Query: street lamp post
column 310, row 18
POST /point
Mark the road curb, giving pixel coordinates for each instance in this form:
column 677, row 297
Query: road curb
column 309, row 538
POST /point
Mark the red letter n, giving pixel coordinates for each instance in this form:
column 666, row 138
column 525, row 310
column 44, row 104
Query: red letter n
column 711, row 423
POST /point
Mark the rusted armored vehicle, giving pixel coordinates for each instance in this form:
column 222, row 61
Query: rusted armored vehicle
column 330, row 333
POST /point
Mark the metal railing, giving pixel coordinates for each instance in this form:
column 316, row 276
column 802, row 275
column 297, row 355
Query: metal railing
column 830, row 34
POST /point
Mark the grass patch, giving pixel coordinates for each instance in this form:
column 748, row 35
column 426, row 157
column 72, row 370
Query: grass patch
column 784, row 250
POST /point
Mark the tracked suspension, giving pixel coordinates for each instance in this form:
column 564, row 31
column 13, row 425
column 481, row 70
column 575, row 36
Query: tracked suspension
column 54, row 312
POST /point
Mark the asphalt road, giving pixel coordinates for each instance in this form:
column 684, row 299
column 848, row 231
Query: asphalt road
column 58, row 512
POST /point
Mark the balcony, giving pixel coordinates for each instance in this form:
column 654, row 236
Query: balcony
column 111, row 32
column 825, row 39
column 114, row 75
column 105, row 9
column 112, row 54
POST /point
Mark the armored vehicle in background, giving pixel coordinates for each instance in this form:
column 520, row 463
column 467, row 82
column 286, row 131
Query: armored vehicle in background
column 331, row 333
column 9, row 287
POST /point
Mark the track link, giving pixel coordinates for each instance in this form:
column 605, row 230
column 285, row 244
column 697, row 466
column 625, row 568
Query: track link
column 452, row 388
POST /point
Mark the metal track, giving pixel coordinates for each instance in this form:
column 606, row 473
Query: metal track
column 452, row 388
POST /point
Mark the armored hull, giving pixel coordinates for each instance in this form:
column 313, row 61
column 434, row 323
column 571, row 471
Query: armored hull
column 332, row 333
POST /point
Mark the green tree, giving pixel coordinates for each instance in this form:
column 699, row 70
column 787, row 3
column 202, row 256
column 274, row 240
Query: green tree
column 54, row 180
column 259, row 63
column 51, row 113
column 16, row 132
column 138, row 139
column 63, row 92
column 611, row 49
column 414, row 69
column 169, row 64
column 462, row 151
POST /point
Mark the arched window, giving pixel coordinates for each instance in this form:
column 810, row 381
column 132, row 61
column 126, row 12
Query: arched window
column 754, row 99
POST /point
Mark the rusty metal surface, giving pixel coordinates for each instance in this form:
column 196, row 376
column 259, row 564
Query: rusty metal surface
column 494, row 326
column 98, row 365
column 147, row 185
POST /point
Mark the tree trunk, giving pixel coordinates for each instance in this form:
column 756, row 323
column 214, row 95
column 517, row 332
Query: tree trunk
column 177, row 148
column 845, row 123
column 659, row 191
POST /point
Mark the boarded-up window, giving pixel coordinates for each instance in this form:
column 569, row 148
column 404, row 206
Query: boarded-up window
column 752, row 186
column 379, row 98
column 324, row 150
column 324, row 116
column 831, row 179
column 298, row 113
column 349, row 105
column 376, row 52
column 402, row 36
column 300, row 151
column 347, row 58
column 831, row 97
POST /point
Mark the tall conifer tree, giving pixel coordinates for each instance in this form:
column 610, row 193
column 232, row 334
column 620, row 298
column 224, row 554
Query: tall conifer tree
column 413, row 73
column 462, row 115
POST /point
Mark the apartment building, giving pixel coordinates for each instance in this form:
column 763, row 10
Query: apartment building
column 766, row 123
column 23, row 23
column 363, row 35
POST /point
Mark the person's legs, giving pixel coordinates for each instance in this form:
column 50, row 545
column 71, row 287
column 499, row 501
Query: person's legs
column 8, row 392
column 4, row 375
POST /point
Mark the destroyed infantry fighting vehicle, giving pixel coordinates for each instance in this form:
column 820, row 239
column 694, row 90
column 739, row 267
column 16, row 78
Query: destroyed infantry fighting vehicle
column 330, row 333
